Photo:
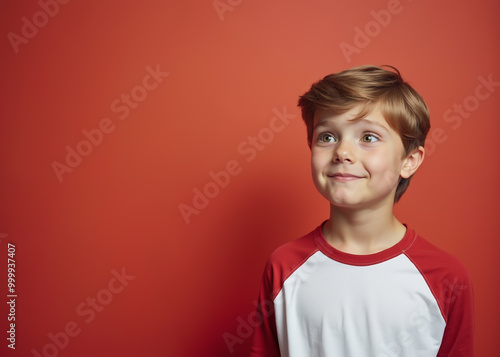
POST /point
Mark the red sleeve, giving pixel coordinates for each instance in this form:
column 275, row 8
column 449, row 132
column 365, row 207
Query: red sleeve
column 265, row 339
column 458, row 339
column 451, row 285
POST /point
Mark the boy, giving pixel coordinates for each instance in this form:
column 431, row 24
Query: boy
column 362, row 284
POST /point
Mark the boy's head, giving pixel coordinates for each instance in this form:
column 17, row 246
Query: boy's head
column 368, row 87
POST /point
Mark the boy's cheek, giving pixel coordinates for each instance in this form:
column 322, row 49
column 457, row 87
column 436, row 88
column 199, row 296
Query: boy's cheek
column 317, row 169
column 319, row 157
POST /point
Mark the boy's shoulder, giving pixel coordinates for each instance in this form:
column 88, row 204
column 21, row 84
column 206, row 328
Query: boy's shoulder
column 428, row 256
column 447, row 277
column 445, row 274
column 296, row 251
column 285, row 260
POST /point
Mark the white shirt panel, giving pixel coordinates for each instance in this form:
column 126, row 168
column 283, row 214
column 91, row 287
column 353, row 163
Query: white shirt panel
column 338, row 310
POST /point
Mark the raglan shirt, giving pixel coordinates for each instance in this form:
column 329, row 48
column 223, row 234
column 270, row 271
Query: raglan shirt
column 410, row 300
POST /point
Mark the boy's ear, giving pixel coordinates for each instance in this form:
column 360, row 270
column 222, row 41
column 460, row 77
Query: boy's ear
column 412, row 162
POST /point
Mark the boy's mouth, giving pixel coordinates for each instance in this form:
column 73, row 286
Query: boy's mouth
column 344, row 177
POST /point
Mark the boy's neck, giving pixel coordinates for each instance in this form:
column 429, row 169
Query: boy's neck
column 362, row 231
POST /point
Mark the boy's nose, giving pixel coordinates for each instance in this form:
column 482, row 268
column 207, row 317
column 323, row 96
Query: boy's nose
column 343, row 152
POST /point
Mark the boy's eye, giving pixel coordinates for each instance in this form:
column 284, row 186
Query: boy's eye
column 326, row 138
column 369, row 138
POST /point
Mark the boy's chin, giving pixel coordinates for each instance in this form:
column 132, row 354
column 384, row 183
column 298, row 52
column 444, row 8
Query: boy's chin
column 344, row 202
column 344, row 205
column 353, row 203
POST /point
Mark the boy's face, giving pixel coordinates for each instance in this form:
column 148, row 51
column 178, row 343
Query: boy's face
column 357, row 163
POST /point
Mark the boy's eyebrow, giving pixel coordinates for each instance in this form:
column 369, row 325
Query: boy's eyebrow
column 366, row 120
column 321, row 123
column 377, row 124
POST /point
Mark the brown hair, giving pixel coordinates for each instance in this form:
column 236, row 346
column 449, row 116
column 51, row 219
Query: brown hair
column 370, row 86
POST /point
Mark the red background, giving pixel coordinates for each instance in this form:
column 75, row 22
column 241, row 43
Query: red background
column 119, row 208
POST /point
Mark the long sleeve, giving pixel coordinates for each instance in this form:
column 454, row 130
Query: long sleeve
column 458, row 339
column 265, row 340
